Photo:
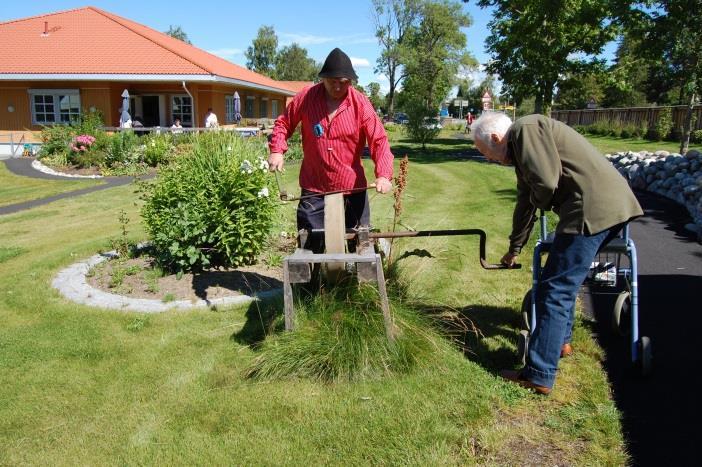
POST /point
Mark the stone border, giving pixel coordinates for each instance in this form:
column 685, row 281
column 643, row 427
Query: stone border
column 37, row 165
column 72, row 284
column 674, row 176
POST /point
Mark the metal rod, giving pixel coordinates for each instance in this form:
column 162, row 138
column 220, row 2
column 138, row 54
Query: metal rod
column 352, row 190
column 443, row 233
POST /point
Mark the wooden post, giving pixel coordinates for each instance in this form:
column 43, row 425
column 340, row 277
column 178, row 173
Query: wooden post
column 288, row 305
column 334, row 234
column 384, row 303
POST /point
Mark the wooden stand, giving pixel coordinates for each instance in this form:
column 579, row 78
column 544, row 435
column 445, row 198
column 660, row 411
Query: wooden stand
column 297, row 268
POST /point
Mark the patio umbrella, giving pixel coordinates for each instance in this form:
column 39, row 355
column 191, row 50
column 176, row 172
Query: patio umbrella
column 125, row 120
column 237, row 107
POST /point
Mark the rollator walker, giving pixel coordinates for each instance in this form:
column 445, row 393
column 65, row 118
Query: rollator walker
column 608, row 272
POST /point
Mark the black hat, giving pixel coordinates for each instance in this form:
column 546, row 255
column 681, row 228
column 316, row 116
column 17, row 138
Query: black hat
column 338, row 65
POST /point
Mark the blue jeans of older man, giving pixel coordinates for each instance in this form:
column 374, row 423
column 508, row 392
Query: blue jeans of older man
column 568, row 263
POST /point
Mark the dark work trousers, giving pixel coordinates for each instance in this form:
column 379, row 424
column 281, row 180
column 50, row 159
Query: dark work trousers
column 310, row 215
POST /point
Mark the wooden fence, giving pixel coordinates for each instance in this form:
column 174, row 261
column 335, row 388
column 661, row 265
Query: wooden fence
column 630, row 115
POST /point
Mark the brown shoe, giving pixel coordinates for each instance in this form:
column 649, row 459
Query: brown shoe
column 566, row 350
column 516, row 377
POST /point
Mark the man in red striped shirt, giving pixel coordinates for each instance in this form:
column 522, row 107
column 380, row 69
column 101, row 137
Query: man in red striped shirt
column 337, row 123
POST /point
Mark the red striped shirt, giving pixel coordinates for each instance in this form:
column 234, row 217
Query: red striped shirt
column 332, row 161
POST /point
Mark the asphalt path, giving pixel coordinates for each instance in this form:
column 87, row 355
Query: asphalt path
column 661, row 413
column 23, row 166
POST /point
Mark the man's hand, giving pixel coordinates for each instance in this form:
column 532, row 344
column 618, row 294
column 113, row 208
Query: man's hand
column 275, row 162
column 509, row 259
column 382, row 185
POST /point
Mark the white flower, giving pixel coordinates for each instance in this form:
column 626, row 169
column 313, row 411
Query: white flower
column 246, row 167
column 229, row 148
column 263, row 164
column 263, row 193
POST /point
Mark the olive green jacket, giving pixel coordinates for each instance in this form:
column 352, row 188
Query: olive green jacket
column 558, row 169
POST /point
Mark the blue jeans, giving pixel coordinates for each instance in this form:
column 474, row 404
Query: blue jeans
column 568, row 263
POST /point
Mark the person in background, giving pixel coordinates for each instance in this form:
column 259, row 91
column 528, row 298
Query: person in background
column 557, row 169
column 469, row 122
column 176, row 127
column 211, row 119
column 337, row 123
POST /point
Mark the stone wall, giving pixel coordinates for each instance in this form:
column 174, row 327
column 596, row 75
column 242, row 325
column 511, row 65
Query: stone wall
column 671, row 175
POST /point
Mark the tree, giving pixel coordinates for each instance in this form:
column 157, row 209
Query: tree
column 535, row 42
column 393, row 19
column 293, row 64
column 178, row 33
column 576, row 89
column 436, row 50
column 373, row 92
column 261, row 54
column 625, row 81
column 671, row 30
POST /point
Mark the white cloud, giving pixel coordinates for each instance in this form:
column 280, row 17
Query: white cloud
column 226, row 53
column 360, row 62
column 302, row 40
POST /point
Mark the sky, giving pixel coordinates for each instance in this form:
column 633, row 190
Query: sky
column 227, row 28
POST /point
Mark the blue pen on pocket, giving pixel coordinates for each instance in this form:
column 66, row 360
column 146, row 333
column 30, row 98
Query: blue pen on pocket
column 318, row 130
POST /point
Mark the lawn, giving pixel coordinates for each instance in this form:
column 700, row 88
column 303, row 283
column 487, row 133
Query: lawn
column 90, row 386
column 610, row 144
column 17, row 189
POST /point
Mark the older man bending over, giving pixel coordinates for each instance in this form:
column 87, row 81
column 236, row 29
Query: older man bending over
column 557, row 169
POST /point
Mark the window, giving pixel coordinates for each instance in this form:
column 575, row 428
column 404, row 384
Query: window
column 182, row 108
column 250, row 101
column 274, row 109
column 263, row 108
column 54, row 105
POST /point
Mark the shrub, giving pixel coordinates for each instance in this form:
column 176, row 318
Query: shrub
column 157, row 149
column 123, row 148
column 664, row 125
column 90, row 158
column 696, row 136
column 213, row 206
column 56, row 140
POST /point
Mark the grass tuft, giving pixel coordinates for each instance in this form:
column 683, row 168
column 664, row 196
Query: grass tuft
column 340, row 336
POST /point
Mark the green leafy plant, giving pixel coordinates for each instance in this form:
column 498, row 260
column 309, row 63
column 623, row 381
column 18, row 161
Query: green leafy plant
column 212, row 207
column 56, row 140
column 661, row 129
column 157, row 149
column 121, row 244
column 123, row 148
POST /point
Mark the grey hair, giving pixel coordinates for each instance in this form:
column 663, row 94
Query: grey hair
column 489, row 123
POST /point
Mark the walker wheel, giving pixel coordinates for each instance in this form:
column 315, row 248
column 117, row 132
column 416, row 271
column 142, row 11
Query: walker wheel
column 621, row 314
column 526, row 311
column 645, row 361
column 523, row 346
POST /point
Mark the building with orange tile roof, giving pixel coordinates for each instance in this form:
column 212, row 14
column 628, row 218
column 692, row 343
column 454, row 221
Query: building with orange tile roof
column 57, row 65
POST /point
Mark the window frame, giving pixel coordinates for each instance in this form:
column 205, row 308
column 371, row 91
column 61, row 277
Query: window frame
column 56, row 111
column 252, row 100
column 180, row 114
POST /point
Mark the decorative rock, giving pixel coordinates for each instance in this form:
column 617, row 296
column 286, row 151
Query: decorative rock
column 672, row 175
